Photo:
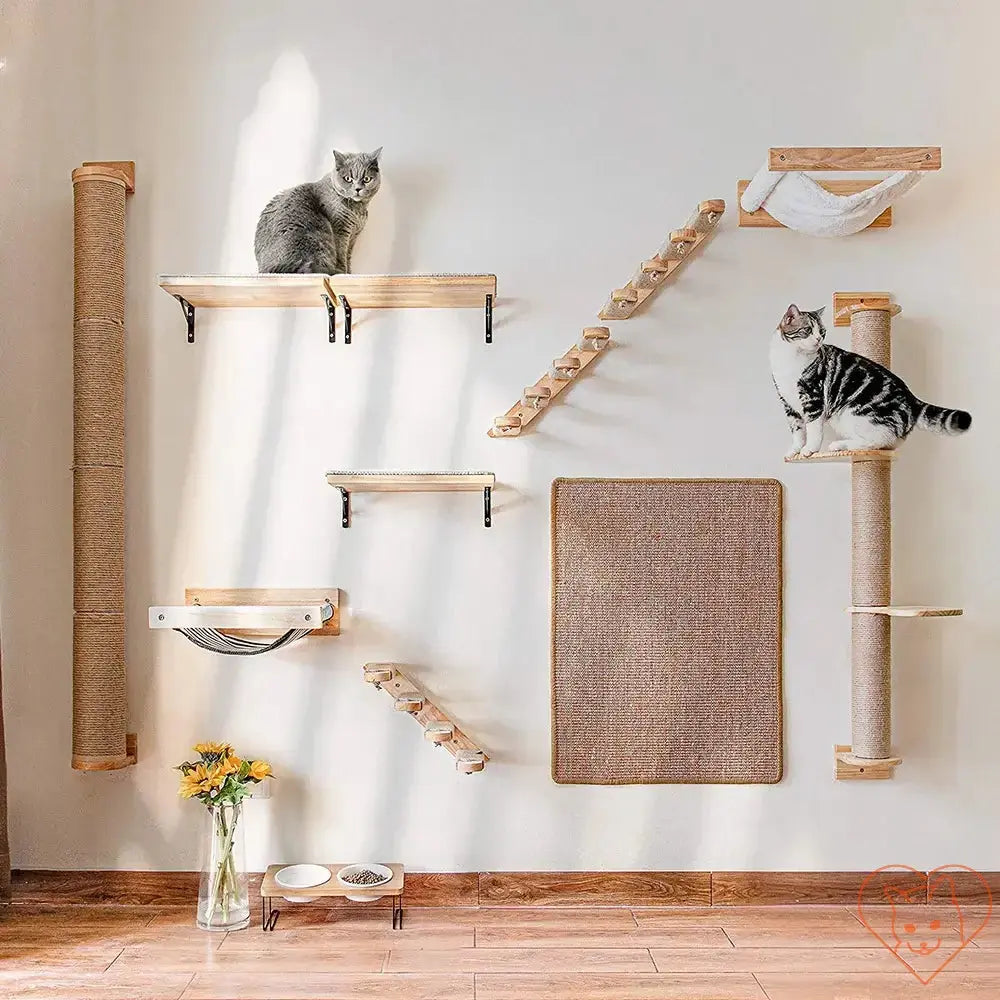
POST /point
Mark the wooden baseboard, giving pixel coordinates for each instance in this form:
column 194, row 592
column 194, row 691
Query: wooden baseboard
column 145, row 888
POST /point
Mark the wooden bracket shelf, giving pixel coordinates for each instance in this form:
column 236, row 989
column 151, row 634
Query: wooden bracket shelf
column 653, row 273
column 847, row 767
column 412, row 482
column 536, row 398
column 438, row 728
column 865, row 455
column 907, row 611
column 846, row 304
column 252, row 612
column 349, row 291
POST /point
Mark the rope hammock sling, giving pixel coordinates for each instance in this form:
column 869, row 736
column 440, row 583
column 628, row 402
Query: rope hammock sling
column 216, row 641
column 799, row 202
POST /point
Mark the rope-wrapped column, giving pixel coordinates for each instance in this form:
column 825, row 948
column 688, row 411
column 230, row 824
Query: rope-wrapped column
column 871, row 572
column 99, row 695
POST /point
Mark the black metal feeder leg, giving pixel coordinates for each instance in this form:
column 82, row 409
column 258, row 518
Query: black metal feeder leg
column 345, row 508
column 347, row 318
column 331, row 312
column 188, row 311
column 489, row 319
column 269, row 916
column 487, row 508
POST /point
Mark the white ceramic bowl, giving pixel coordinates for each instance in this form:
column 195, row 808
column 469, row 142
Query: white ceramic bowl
column 302, row 877
column 347, row 870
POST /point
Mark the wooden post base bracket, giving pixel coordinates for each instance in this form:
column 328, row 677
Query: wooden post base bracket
column 653, row 273
column 439, row 730
column 847, row 767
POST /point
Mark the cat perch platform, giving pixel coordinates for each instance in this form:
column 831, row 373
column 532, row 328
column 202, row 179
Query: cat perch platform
column 782, row 195
column 412, row 482
column 222, row 621
column 870, row 757
column 438, row 728
column 349, row 291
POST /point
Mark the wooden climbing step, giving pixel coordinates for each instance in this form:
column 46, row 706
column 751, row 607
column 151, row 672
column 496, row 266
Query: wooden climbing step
column 654, row 272
column 438, row 728
column 862, row 455
column 907, row 611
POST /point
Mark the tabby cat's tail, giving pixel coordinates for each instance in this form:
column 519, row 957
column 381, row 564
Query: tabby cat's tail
column 943, row 420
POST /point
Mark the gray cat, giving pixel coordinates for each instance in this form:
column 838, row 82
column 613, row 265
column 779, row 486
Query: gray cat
column 312, row 228
column 866, row 404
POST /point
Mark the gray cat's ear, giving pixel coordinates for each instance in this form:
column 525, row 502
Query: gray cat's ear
column 374, row 156
column 339, row 158
column 821, row 310
column 792, row 312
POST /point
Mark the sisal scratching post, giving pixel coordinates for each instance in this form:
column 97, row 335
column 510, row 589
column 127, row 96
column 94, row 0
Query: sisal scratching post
column 871, row 571
column 99, row 698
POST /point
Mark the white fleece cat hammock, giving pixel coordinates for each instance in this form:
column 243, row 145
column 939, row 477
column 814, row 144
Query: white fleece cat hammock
column 799, row 202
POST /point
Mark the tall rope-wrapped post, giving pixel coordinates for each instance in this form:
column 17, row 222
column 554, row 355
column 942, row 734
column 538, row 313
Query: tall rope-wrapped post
column 871, row 572
column 99, row 694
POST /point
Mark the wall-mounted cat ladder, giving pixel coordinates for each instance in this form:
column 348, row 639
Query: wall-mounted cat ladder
column 826, row 207
column 412, row 482
column 870, row 754
column 349, row 291
column 653, row 273
column 438, row 728
column 229, row 621
column 536, row 398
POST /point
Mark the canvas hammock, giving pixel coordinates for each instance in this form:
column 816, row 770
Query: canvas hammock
column 799, row 202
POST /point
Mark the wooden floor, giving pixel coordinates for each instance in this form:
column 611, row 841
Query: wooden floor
column 481, row 953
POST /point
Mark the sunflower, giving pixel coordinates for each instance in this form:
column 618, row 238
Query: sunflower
column 213, row 749
column 259, row 770
column 192, row 783
column 230, row 764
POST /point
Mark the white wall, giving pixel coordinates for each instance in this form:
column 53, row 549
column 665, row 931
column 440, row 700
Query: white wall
column 554, row 145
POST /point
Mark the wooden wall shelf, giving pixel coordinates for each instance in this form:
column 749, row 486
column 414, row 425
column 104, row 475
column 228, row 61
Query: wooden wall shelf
column 846, row 304
column 854, row 158
column 867, row 455
column 438, row 728
column 653, row 273
column 349, row 291
column 536, row 398
column 412, row 482
column 907, row 611
column 762, row 219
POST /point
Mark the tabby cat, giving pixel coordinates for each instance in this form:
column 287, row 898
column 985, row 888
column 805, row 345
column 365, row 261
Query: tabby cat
column 312, row 228
column 866, row 404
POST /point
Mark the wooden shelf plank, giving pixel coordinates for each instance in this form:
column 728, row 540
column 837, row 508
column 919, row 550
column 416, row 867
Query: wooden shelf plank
column 847, row 767
column 411, row 482
column 363, row 291
column 679, row 247
column 764, row 220
column 907, row 611
column 414, row 291
column 275, row 617
column 854, row 158
column 845, row 304
column 872, row 455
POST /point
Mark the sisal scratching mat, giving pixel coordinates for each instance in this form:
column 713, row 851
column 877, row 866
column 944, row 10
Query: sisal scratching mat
column 666, row 631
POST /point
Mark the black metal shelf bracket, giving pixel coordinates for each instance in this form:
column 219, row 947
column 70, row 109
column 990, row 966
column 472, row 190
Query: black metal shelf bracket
column 347, row 318
column 331, row 315
column 345, row 507
column 489, row 319
column 487, row 507
column 188, row 311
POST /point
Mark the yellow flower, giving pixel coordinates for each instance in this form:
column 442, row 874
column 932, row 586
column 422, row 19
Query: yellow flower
column 259, row 770
column 213, row 749
column 216, row 778
column 191, row 783
column 230, row 765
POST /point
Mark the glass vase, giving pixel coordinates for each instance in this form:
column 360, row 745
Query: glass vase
column 223, row 893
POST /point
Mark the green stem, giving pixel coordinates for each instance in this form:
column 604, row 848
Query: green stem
column 225, row 864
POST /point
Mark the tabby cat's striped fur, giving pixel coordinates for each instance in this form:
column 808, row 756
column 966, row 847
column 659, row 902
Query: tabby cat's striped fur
column 866, row 404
